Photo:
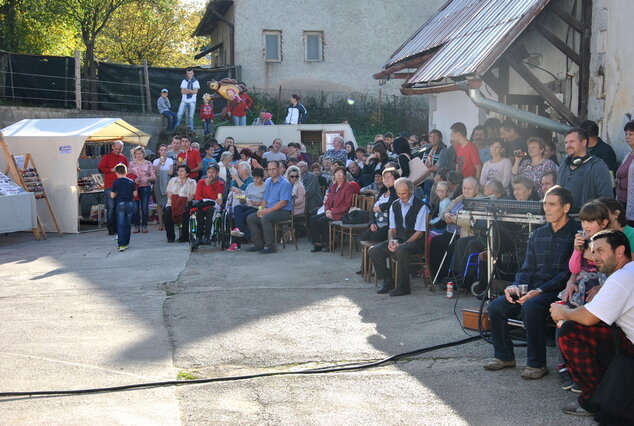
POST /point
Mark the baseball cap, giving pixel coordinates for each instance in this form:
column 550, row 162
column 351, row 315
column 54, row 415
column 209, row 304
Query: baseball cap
column 215, row 166
column 164, row 91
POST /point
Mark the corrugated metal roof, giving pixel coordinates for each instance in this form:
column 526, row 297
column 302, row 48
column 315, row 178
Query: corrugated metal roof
column 469, row 36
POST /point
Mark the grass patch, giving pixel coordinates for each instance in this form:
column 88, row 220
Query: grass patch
column 185, row 375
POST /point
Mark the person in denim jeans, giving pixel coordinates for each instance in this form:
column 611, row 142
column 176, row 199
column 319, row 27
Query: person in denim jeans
column 123, row 192
column 189, row 89
column 164, row 107
column 144, row 176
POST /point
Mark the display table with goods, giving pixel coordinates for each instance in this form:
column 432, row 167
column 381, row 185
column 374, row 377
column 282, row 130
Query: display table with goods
column 17, row 207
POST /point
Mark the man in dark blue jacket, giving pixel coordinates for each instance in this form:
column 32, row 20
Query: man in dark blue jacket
column 544, row 272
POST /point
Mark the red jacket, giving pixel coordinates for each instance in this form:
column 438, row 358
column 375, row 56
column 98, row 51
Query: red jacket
column 239, row 109
column 207, row 112
column 106, row 165
column 339, row 202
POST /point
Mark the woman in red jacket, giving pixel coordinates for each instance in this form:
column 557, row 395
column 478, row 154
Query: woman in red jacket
column 337, row 204
column 237, row 109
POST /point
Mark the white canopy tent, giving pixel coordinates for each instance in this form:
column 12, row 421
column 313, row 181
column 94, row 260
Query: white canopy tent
column 55, row 145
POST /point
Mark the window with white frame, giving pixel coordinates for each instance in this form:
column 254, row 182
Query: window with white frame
column 272, row 46
column 313, row 46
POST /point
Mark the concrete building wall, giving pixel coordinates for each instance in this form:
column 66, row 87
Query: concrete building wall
column 447, row 108
column 149, row 123
column 612, row 70
column 358, row 37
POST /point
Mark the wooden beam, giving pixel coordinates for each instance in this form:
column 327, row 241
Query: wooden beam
column 558, row 43
column 429, row 90
column 566, row 16
column 402, row 75
column 584, row 67
column 541, row 89
column 494, row 83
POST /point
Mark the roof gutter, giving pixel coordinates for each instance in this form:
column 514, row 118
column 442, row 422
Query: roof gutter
column 481, row 101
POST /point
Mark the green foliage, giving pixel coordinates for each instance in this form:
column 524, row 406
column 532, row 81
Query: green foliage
column 397, row 113
column 158, row 32
column 35, row 27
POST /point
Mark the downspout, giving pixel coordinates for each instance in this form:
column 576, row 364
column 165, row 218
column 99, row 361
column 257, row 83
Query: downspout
column 481, row 101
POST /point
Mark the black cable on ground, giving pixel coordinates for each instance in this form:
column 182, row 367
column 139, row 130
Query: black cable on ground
column 322, row 370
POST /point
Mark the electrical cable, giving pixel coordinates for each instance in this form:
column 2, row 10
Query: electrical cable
column 321, row 370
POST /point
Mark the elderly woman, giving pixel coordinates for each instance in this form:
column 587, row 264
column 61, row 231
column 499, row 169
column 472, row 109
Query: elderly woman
column 440, row 244
column 337, row 204
column 241, row 178
column 625, row 176
column 294, row 176
column 524, row 189
column 181, row 189
column 536, row 165
column 144, row 175
column 163, row 169
column 226, row 168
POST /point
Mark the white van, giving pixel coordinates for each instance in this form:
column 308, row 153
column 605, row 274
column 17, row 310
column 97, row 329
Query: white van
column 316, row 137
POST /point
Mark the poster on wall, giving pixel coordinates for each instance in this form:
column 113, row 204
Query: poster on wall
column 328, row 138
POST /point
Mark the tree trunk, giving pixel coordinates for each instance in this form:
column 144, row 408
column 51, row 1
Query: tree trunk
column 91, row 64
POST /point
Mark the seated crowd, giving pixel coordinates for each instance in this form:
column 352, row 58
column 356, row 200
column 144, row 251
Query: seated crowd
column 584, row 264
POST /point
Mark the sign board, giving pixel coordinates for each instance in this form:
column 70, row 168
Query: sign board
column 65, row 149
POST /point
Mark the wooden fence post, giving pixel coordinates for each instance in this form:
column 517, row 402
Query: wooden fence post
column 146, row 77
column 77, row 79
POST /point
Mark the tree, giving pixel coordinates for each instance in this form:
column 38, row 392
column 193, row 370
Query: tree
column 90, row 17
column 35, row 27
column 159, row 33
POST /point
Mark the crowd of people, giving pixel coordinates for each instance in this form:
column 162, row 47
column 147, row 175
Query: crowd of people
column 584, row 265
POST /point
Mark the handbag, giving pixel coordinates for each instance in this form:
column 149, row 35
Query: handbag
column 418, row 171
column 356, row 217
column 613, row 399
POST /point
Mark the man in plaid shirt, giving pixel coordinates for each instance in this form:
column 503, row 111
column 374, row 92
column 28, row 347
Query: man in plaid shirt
column 585, row 338
column 545, row 271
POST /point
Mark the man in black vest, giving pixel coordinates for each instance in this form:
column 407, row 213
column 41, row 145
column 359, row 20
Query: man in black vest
column 408, row 221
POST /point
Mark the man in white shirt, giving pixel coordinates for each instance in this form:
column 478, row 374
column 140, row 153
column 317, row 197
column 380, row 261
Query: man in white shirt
column 585, row 338
column 189, row 89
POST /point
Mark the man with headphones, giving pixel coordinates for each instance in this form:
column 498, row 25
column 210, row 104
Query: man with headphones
column 585, row 176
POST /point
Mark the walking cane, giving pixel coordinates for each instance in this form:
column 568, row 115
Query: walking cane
column 444, row 257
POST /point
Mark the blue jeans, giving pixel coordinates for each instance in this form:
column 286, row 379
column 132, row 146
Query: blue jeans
column 191, row 109
column 208, row 125
column 125, row 211
column 171, row 119
column 142, row 203
column 533, row 313
column 111, row 208
column 239, row 121
column 240, row 213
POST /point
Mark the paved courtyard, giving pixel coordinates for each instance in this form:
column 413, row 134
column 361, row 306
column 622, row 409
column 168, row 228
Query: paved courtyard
column 77, row 314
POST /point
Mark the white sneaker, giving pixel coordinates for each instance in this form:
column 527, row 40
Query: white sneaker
column 235, row 232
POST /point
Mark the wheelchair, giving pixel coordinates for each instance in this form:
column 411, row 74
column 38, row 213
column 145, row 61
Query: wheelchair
column 217, row 234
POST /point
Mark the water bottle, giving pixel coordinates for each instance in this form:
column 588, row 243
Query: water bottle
column 450, row 290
